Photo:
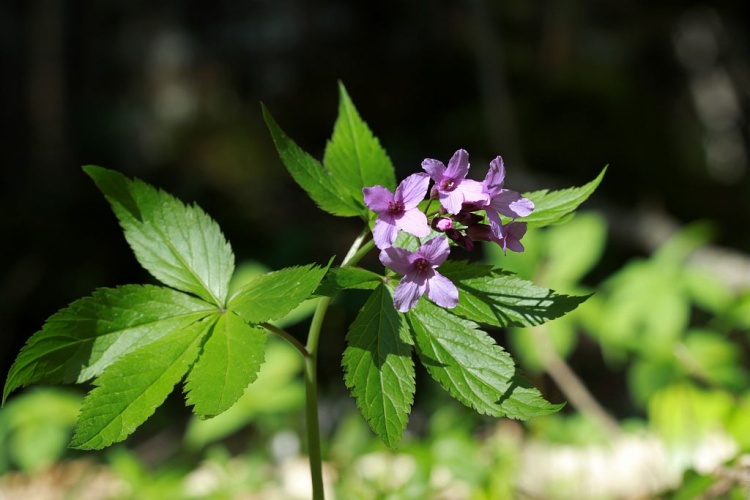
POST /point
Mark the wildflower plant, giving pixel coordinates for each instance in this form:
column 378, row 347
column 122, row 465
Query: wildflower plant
column 137, row 342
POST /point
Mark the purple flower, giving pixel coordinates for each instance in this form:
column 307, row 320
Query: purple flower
column 507, row 236
column 503, row 201
column 420, row 276
column 398, row 210
column 451, row 185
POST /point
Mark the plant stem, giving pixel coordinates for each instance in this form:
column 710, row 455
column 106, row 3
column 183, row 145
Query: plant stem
column 357, row 256
column 355, row 253
column 569, row 383
column 311, row 400
column 286, row 336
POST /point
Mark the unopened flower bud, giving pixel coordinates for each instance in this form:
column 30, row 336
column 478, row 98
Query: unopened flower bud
column 460, row 239
column 442, row 224
column 467, row 218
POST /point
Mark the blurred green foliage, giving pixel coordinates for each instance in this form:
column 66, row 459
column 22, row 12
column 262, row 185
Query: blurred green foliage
column 675, row 331
column 35, row 429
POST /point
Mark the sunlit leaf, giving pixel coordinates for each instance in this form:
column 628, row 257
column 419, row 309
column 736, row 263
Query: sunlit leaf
column 273, row 295
column 347, row 278
column 322, row 187
column 378, row 367
column 80, row 341
column 354, row 155
column 277, row 390
column 467, row 363
column 179, row 245
column 551, row 207
column 130, row 390
column 229, row 362
column 500, row 298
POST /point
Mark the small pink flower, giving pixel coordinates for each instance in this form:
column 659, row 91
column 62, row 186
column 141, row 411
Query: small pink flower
column 398, row 210
column 503, row 201
column 451, row 185
column 420, row 276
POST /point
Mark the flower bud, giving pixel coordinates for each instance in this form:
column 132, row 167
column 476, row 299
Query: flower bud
column 467, row 218
column 460, row 239
column 442, row 224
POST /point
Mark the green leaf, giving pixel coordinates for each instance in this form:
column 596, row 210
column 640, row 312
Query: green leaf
column 354, row 155
column 279, row 389
column 323, row 188
column 459, row 270
column 79, row 342
column 467, row 363
column 130, row 390
column 378, row 367
column 179, row 245
column 348, row 278
column 230, row 362
column 504, row 299
column 273, row 295
column 552, row 207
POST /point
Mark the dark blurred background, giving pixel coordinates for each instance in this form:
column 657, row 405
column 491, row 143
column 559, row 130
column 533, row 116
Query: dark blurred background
column 170, row 92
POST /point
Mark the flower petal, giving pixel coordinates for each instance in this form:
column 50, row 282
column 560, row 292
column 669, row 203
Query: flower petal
column 412, row 190
column 451, row 201
column 511, row 204
column 377, row 198
column 493, row 181
column 458, row 166
column 473, row 191
column 435, row 168
column 414, row 222
column 398, row 259
column 384, row 232
column 497, row 231
column 435, row 251
column 515, row 231
column 442, row 291
column 408, row 292
column 514, row 245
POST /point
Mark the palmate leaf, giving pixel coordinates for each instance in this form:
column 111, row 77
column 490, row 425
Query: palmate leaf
column 273, row 295
column 467, row 363
column 354, row 155
column 179, row 245
column 129, row 391
column 322, row 187
column 80, row 341
column 551, row 207
column 378, row 366
column 229, row 362
column 501, row 298
column 140, row 341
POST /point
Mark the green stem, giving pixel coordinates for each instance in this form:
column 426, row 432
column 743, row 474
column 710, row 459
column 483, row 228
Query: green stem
column 355, row 253
column 286, row 336
column 311, row 400
column 357, row 256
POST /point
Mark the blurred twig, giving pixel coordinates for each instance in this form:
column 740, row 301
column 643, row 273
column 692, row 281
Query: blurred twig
column 571, row 386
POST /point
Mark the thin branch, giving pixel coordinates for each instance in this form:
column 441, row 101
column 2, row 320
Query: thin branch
column 286, row 336
column 569, row 383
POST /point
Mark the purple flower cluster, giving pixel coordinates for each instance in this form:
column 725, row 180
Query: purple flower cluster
column 460, row 198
